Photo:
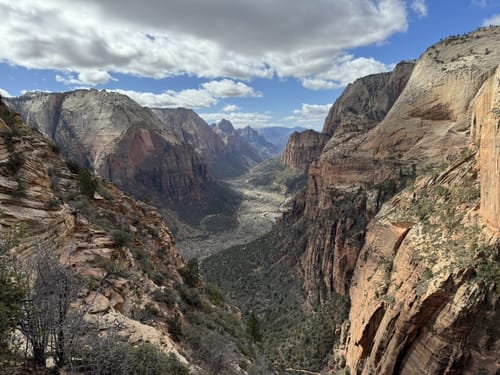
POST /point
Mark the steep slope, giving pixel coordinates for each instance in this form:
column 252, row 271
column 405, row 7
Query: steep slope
column 258, row 141
column 440, row 316
column 128, row 145
column 302, row 149
column 361, row 107
column 429, row 123
column 239, row 156
column 192, row 129
column 122, row 248
column 400, row 213
column 229, row 152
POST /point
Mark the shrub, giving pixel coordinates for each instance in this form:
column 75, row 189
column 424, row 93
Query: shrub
column 191, row 273
column 190, row 296
column 15, row 162
column 121, row 237
column 214, row 294
column 86, row 183
column 166, row 296
column 253, row 328
column 175, row 327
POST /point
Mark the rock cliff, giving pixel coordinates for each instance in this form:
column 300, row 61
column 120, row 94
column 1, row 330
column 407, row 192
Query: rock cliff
column 130, row 146
column 302, row 149
column 421, row 269
column 121, row 248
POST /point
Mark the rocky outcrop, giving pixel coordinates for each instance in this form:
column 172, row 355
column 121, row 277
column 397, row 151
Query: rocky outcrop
column 121, row 248
column 366, row 101
column 422, row 274
column 302, row 149
column 192, row 129
column 42, row 208
column 422, row 298
column 485, row 124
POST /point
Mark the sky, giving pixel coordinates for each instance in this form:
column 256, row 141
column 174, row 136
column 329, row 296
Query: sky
column 253, row 62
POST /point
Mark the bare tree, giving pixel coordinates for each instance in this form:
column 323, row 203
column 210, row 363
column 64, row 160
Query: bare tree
column 47, row 322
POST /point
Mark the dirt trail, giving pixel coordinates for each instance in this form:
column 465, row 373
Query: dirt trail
column 256, row 215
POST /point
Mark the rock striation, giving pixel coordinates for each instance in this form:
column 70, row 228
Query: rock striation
column 166, row 162
column 421, row 266
column 121, row 248
column 302, row 149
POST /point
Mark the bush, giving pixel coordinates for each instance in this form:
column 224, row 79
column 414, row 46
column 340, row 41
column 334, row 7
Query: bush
column 190, row 296
column 121, row 237
column 191, row 273
column 86, row 183
column 166, row 296
column 11, row 296
column 175, row 327
column 214, row 294
column 111, row 355
column 15, row 162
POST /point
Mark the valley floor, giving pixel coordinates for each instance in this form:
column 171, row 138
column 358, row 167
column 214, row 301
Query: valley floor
column 258, row 211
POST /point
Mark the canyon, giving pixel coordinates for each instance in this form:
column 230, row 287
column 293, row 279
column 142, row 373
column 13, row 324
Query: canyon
column 377, row 241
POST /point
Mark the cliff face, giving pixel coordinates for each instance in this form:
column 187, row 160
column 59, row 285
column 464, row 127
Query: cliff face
column 125, row 143
column 192, row 129
column 302, row 149
column 121, row 248
column 485, row 123
column 42, row 195
column 421, row 270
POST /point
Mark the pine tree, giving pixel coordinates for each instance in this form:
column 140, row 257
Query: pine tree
column 253, row 328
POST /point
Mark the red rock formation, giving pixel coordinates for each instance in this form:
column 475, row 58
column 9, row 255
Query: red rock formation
column 302, row 149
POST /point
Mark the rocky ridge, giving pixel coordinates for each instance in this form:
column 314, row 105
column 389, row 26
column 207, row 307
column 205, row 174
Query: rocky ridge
column 128, row 145
column 381, row 261
column 400, row 214
column 121, row 247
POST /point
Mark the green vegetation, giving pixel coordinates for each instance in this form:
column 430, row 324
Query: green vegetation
column 257, row 277
column 274, row 176
column 444, row 233
column 253, row 328
column 191, row 274
column 112, row 355
column 86, row 183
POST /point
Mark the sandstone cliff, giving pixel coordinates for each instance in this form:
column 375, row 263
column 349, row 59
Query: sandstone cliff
column 121, row 247
column 129, row 145
column 302, row 149
column 422, row 274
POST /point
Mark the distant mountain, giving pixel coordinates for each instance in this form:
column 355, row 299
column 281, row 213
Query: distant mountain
column 278, row 135
column 128, row 145
column 229, row 152
column 258, row 141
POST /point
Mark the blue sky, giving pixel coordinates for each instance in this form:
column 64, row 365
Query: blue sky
column 257, row 63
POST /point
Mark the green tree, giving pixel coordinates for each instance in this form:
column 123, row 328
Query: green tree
column 86, row 182
column 191, row 273
column 253, row 328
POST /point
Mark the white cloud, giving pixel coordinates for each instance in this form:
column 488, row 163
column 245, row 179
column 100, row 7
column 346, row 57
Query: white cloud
column 419, row 7
column 4, row 93
column 86, row 77
column 309, row 115
column 344, row 70
column 205, row 96
column 240, row 119
column 171, row 99
column 208, row 39
column 230, row 108
column 493, row 20
column 227, row 88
